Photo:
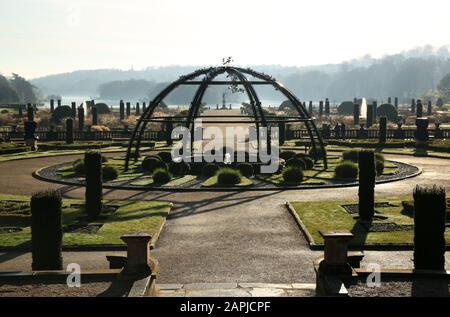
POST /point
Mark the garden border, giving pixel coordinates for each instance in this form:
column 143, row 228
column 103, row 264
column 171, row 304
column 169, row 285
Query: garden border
column 37, row 174
column 99, row 247
column 317, row 247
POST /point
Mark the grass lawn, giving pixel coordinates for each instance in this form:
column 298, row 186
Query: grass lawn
column 318, row 175
column 135, row 175
column 176, row 181
column 36, row 154
column 131, row 216
column 212, row 182
column 330, row 215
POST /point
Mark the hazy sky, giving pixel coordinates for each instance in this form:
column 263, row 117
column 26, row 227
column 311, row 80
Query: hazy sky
column 40, row 37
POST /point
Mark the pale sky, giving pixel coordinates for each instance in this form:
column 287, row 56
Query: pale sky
column 41, row 37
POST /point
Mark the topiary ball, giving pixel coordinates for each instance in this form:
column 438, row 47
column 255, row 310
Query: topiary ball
column 379, row 157
column 286, row 155
column 228, row 176
column 346, row 170
column 110, row 172
column 150, row 163
column 297, row 162
column 351, row 155
column 166, row 157
column 161, row 176
column 179, row 168
column 210, row 170
column 246, row 169
column 309, row 163
column 61, row 113
column 102, row 108
column 379, row 166
column 317, row 154
column 293, row 174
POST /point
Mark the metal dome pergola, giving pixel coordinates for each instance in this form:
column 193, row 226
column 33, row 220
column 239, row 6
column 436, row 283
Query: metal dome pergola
column 238, row 76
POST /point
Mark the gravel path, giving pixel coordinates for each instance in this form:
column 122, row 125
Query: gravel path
column 230, row 236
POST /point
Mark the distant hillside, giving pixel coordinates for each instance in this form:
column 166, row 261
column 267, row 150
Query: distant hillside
column 408, row 74
column 87, row 82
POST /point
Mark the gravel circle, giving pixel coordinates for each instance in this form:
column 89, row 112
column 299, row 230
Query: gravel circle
column 418, row 287
column 51, row 174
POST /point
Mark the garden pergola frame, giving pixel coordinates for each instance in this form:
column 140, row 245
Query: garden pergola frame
column 238, row 76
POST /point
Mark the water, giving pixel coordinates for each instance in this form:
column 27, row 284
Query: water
column 67, row 100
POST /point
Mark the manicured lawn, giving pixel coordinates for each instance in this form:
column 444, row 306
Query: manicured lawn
column 131, row 216
column 135, row 175
column 176, row 181
column 318, row 175
column 212, row 182
column 330, row 215
column 36, row 154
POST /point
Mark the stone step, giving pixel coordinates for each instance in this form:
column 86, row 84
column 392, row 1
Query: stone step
column 237, row 290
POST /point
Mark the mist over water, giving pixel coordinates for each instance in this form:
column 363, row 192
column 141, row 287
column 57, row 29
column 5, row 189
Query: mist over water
column 67, row 100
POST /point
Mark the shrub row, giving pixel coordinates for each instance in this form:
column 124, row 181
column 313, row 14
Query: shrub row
column 353, row 155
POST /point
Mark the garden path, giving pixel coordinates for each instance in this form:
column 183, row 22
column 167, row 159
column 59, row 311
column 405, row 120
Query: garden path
column 226, row 236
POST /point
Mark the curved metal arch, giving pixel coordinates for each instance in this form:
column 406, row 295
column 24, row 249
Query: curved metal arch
column 298, row 105
column 250, row 91
column 196, row 102
column 141, row 125
column 193, row 111
column 254, row 100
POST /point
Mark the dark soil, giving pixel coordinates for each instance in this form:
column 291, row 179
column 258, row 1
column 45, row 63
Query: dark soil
column 43, row 289
column 51, row 173
column 83, row 228
column 4, row 230
column 385, row 227
column 399, row 288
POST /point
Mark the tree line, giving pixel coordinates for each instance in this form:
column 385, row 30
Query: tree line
column 391, row 76
column 16, row 89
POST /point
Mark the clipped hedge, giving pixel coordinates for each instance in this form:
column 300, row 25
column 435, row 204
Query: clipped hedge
column 246, row 169
column 286, row 155
column 366, row 190
column 161, row 176
column 372, row 143
column 13, row 148
column 317, row 154
column 346, row 170
column 293, row 174
column 297, row 162
column 110, row 172
column 210, row 169
column 179, row 168
column 151, row 163
column 228, row 176
column 94, row 183
column 166, row 157
column 46, row 230
column 429, row 227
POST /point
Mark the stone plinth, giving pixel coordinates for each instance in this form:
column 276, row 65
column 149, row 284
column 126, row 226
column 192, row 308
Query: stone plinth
column 336, row 246
column 421, row 134
column 138, row 263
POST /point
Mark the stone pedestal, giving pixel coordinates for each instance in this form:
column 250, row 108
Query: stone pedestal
column 139, row 263
column 336, row 246
column 421, row 134
column 32, row 143
column 334, row 270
